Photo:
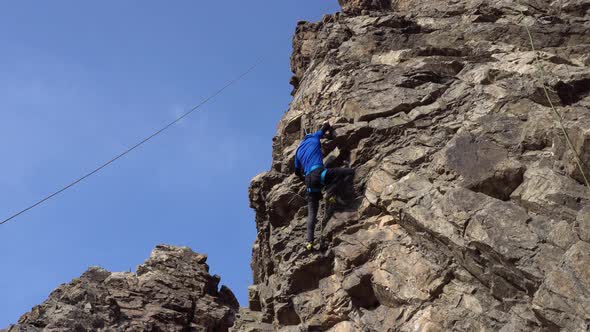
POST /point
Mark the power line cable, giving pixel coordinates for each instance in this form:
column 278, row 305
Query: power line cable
column 137, row 145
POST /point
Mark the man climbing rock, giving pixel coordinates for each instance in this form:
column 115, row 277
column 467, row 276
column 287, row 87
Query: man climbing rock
column 309, row 167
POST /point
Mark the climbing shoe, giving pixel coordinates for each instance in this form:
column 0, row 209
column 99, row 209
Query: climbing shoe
column 309, row 246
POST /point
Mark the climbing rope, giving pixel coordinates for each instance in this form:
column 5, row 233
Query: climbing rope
column 304, row 125
column 140, row 143
column 555, row 111
column 145, row 140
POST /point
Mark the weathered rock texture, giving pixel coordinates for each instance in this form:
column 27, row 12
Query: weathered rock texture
column 171, row 291
column 467, row 212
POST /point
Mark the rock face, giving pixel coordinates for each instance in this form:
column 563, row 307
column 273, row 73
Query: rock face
column 467, row 212
column 171, row 291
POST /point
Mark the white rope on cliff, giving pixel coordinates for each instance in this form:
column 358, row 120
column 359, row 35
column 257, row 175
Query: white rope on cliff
column 555, row 111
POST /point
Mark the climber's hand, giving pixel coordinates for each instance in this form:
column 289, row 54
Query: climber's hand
column 328, row 130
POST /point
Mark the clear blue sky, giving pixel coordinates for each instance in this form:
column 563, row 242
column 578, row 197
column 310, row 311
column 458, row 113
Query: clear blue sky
column 81, row 81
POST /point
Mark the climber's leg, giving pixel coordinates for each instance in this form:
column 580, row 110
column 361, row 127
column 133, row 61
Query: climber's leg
column 337, row 174
column 313, row 204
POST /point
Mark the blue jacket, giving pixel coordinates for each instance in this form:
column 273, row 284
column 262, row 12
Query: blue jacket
column 309, row 152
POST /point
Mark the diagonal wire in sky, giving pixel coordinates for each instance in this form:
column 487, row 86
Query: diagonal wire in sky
column 137, row 145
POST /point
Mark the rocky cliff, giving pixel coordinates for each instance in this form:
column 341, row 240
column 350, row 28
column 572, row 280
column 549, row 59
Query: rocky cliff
column 171, row 291
column 467, row 211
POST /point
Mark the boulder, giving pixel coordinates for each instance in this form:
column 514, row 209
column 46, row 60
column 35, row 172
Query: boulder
column 171, row 291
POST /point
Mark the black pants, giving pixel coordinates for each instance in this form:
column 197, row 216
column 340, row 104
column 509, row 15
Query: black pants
column 313, row 182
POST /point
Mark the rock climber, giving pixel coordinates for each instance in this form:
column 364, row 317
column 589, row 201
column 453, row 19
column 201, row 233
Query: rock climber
column 309, row 167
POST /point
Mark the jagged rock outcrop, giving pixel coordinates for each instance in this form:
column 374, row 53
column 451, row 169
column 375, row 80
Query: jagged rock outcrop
column 171, row 291
column 467, row 212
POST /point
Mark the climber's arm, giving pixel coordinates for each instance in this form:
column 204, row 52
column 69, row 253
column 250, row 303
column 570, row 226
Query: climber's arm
column 299, row 170
column 326, row 128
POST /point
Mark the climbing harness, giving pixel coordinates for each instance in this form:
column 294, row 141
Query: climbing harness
column 310, row 182
column 323, row 177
